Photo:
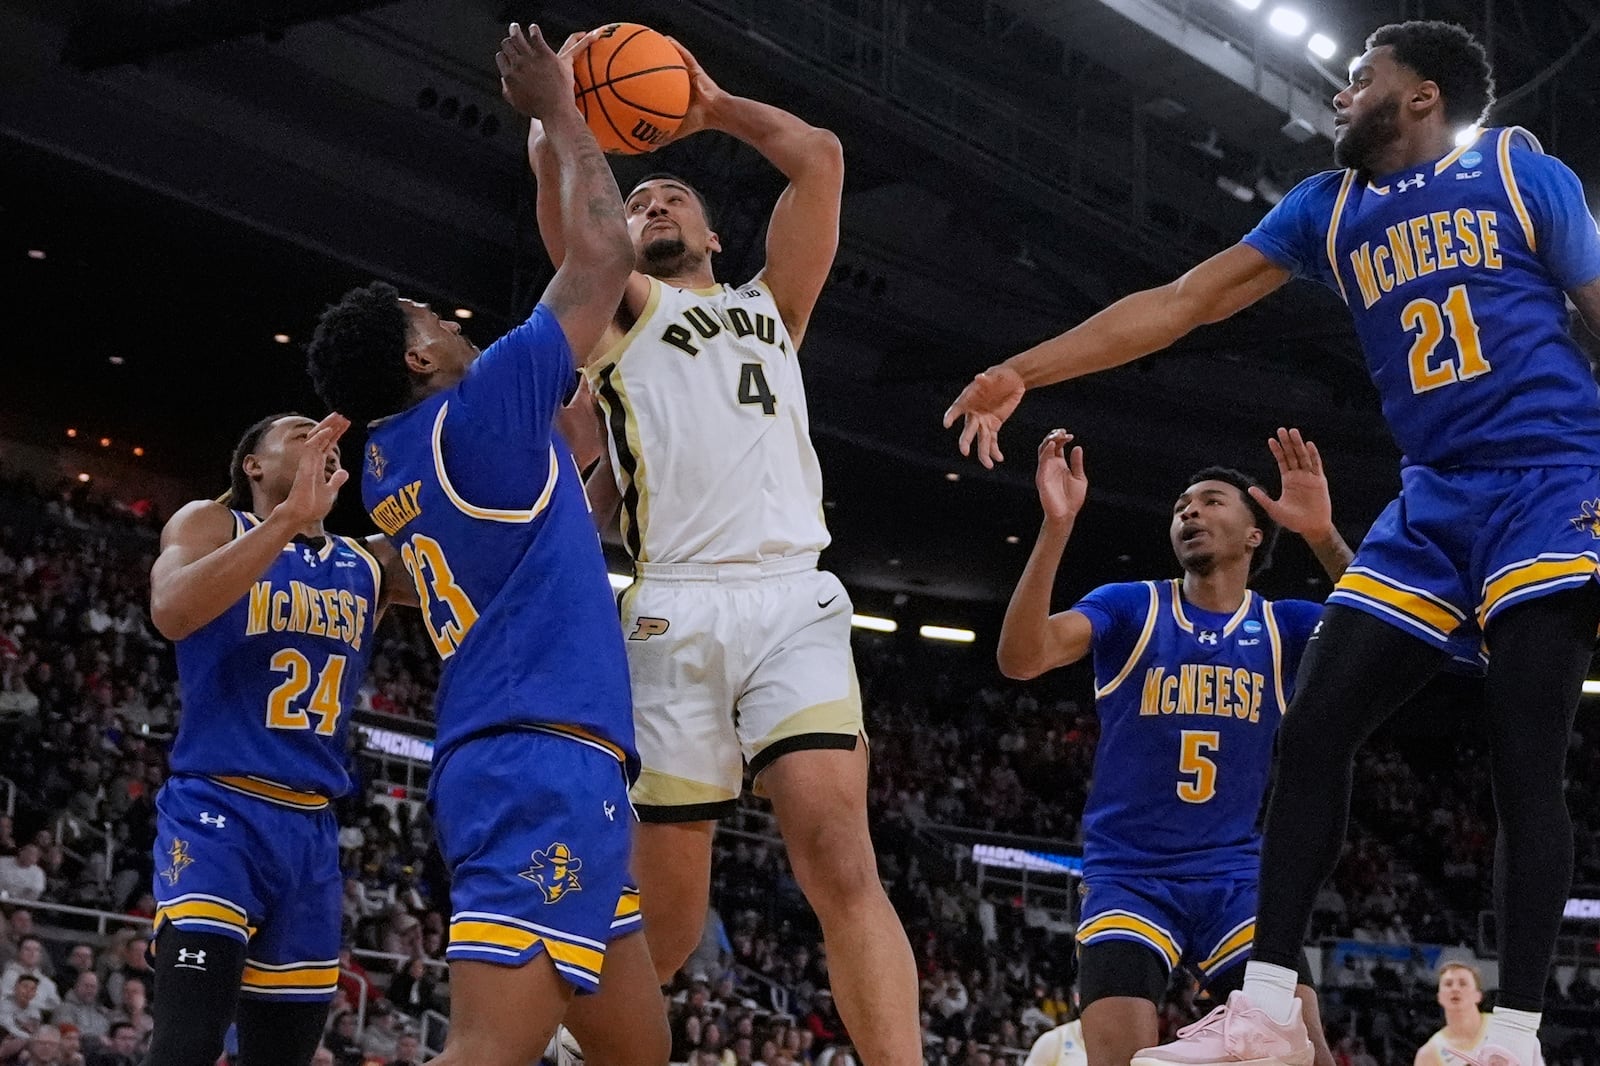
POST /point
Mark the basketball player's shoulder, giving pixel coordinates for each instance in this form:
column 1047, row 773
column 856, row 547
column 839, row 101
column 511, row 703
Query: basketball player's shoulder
column 1428, row 1054
column 1119, row 603
column 1295, row 618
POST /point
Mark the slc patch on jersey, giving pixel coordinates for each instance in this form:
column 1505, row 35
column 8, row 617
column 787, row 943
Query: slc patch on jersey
column 555, row 871
column 179, row 854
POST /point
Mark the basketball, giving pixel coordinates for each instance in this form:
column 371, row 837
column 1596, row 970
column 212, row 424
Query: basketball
column 633, row 88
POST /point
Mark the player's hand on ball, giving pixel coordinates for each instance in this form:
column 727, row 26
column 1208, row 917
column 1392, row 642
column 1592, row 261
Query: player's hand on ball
column 1303, row 506
column 533, row 79
column 318, row 476
column 985, row 404
column 704, row 97
column 1060, row 479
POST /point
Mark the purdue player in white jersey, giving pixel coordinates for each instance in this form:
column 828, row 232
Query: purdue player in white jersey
column 739, row 647
column 1466, row 1027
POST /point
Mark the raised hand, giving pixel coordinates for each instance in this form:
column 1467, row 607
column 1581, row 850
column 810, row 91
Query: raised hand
column 1060, row 479
column 704, row 96
column 1303, row 506
column 985, row 404
column 316, row 487
column 533, row 79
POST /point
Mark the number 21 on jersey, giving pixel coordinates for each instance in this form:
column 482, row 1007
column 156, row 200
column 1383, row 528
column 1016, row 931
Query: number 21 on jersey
column 1431, row 369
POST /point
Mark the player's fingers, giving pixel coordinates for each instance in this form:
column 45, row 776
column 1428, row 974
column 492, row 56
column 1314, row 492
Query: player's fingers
column 1297, row 446
column 1268, row 504
column 986, row 446
column 1277, row 453
column 335, row 423
column 1315, row 457
column 336, row 482
column 688, row 58
column 504, row 65
column 579, row 43
column 969, row 429
column 1077, row 461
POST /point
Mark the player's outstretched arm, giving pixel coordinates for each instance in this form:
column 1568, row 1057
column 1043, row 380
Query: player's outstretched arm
column 1032, row 640
column 203, row 570
column 399, row 590
column 1305, row 506
column 605, row 499
column 803, row 234
column 1134, row 326
column 596, row 255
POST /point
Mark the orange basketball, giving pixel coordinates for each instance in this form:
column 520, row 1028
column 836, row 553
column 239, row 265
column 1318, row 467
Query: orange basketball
column 633, row 88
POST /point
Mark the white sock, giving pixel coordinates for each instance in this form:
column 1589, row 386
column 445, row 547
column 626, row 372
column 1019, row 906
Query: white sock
column 1271, row 988
column 1517, row 1031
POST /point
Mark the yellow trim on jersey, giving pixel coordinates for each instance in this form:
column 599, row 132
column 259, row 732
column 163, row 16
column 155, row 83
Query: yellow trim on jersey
column 206, row 910
column 1125, row 923
column 616, row 351
column 1182, row 617
column 657, row 788
column 582, row 736
column 1276, row 639
column 238, row 524
column 489, row 514
column 1546, row 570
column 713, row 290
column 627, row 904
column 250, row 519
column 1333, row 231
column 304, row 977
column 1415, row 605
column 273, row 792
column 465, row 933
column 1239, row 940
column 1139, row 645
column 1444, row 164
column 1509, row 180
column 1239, row 615
column 372, row 563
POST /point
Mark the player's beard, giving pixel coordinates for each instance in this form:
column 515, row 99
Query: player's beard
column 1364, row 138
column 666, row 257
column 1200, row 564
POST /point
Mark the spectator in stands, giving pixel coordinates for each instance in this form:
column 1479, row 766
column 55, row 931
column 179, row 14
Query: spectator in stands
column 341, row 1040
column 354, row 980
column 412, row 988
column 71, row 1045
column 122, row 1049
column 381, row 1037
column 80, row 1007
column 1582, row 991
column 407, row 1051
column 322, row 1057
column 21, row 876
column 20, row 1015
column 80, row 960
column 134, row 966
column 43, row 1048
column 31, row 961
column 133, row 1007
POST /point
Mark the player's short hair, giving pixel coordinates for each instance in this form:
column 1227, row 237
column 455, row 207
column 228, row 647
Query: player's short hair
column 1477, row 978
column 662, row 175
column 21, row 977
column 238, row 494
column 1448, row 56
column 1244, row 483
column 356, row 357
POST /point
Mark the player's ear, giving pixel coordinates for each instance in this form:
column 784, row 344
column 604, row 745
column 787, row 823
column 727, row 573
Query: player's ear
column 418, row 361
column 1256, row 537
column 713, row 242
column 1424, row 96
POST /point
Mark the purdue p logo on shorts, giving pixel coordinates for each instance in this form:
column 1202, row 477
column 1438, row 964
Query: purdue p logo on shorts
column 649, row 627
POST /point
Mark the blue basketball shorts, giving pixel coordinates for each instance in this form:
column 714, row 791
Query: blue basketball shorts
column 1206, row 924
column 263, row 872
column 1459, row 546
column 536, row 830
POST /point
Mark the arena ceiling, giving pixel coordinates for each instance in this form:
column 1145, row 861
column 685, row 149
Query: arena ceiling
column 202, row 176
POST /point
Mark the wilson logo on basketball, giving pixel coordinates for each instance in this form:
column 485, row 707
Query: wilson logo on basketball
column 646, row 133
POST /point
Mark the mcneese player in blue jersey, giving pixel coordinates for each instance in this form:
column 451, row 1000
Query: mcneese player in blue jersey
column 1457, row 263
column 273, row 620
column 535, row 751
column 1191, row 680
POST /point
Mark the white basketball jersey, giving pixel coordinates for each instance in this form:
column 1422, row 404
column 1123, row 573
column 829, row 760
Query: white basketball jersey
column 1447, row 1053
column 710, row 443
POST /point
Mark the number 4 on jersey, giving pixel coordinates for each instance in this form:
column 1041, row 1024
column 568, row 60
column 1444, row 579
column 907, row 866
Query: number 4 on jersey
column 753, row 388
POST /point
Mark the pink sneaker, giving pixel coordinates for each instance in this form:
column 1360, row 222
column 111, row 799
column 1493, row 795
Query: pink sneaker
column 1235, row 1034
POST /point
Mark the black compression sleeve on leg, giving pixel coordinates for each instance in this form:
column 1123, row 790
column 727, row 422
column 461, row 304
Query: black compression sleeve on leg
column 1539, row 654
column 278, row 1032
column 197, row 989
column 1109, row 968
column 1357, row 671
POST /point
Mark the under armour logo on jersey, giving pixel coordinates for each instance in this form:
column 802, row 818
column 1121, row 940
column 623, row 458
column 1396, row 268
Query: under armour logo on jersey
column 192, row 960
column 1207, row 637
column 218, row 820
column 1416, row 182
column 309, row 556
column 610, row 809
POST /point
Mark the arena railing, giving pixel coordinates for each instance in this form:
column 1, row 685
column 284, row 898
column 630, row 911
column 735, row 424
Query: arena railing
column 101, row 918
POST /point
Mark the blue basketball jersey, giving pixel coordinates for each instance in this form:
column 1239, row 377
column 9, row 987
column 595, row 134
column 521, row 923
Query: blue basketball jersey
column 1455, row 272
column 267, row 686
column 485, row 505
column 1189, row 702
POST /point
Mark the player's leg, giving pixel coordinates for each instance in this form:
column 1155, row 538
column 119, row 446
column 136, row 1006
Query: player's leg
column 625, row 1023
column 1539, row 655
column 197, row 977
column 1120, row 984
column 503, row 1015
column 1356, row 672
column 820, row 797
column 800, row 727
column 672, row 863
column 691, row 769
column 279, row 1032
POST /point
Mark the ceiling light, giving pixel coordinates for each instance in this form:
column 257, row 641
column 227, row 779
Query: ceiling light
column 1466, row 136
column 35, row 253
column 952, row 476
column 1591, row 688
column 139, row 452
column 83, row 477
column 950, row 633
column 1243, row 193
column 1287, row 21
column 105, row 442
column 619, row 581
column 463, row 312
column 1013, row 539
column 1322, row 46
column 116, row 360
column 874, row 623
column 281, row 338
column 71, row 432
column 1248, row 5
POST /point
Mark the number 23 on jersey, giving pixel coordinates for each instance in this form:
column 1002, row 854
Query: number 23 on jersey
column 446, row 610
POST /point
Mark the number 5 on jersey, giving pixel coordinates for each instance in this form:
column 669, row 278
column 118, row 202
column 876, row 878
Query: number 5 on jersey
column 1192, row 760
column 437, row 586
